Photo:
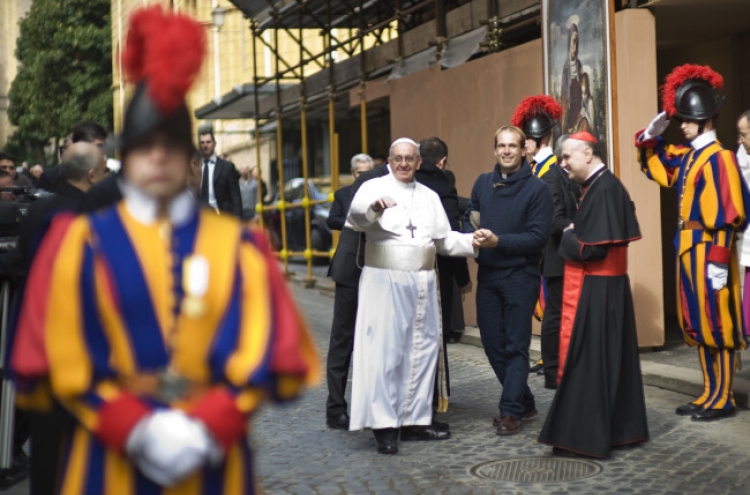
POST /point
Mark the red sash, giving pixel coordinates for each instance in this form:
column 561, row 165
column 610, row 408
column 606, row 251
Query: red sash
column 614, row 265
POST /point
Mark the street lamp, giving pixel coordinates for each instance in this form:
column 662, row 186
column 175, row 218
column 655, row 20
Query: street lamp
column 218, row 15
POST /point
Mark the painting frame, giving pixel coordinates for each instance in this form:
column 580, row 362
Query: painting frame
column 582, row 81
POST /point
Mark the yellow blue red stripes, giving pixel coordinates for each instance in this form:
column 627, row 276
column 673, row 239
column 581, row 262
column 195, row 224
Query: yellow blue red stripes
column 712, row 194
column 104, row 272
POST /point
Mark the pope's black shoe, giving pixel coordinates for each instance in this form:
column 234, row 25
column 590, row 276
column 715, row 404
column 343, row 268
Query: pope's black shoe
column 435, row 431
column 688, row 409
column 713, row 414
column 387, row 439
column 440, row 426
column 339, row 422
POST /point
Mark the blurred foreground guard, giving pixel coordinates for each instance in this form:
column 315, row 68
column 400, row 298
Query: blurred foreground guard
column 712, row 203
column 599, row 402
column 160, row 326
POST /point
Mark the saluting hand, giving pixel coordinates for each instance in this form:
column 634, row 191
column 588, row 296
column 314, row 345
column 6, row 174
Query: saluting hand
column 382, row 204
column 656, row 127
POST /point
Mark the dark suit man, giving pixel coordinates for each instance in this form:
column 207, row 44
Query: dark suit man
column 87, row 131
column 345, row 271
column 83, row 166
column 434, row 154
column 220, row 183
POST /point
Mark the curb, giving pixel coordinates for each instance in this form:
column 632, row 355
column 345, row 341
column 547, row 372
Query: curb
column 684, row 380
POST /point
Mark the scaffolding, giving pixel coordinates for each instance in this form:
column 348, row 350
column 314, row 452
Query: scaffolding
column 370, row 37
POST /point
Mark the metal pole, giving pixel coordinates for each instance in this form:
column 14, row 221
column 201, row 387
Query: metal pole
column 259, row 205
column 280, row 161
column 363, row 116
column 363, row 82
column 332, row 143
column 309, row 251
column 7, row 409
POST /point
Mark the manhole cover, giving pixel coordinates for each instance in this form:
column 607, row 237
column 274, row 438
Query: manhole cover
column 536, row 470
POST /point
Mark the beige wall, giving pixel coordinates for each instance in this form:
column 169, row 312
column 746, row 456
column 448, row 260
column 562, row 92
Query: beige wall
column 465, row 105
column 11, row 12
column 637, row 104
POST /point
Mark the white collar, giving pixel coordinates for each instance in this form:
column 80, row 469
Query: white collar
column 703, row 140
column 144, row 207
column 404, row 185
column 211, row 159
column 601, row 166
column 542, row 154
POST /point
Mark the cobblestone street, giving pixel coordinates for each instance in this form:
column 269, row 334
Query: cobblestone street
column 298, row 454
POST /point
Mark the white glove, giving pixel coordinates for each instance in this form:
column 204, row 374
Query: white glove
column 718, row 275
column 168, row 446
column 656, row 127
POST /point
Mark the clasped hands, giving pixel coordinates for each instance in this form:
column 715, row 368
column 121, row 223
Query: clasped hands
column 484, row 238
column 168, row 445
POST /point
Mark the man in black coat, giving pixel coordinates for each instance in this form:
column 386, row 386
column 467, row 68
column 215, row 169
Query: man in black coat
column 83, row 166
column 220, row 186
column 345, row 270
column 434, row 153
column 86, row 131
column 564, row 194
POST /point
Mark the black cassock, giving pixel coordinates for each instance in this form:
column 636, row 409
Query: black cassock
column 599, row 402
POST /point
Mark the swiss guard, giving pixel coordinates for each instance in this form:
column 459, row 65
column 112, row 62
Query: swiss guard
column 160, row 326
column 712, row 200
column 537, row 116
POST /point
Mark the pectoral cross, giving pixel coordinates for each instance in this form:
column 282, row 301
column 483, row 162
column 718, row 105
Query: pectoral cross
column 411, row 227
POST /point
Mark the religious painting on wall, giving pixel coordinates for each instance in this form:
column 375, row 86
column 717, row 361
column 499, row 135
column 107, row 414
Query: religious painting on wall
column 578, row 67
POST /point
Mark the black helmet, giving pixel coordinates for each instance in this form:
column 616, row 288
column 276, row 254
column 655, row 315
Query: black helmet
column 696, row 99
column 537, row 115
column 163, row 55
column 538, row 126
column 143, row 117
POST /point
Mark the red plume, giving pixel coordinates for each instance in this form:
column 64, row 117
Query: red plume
column 166, row 50
column 534, row 105
column 677, row 78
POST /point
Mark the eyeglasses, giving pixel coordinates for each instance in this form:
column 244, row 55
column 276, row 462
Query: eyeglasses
column 400, row 159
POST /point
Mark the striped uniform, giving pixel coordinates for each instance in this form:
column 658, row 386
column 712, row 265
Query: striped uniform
column 539, row 169
column 108, row 310
column 712, row 201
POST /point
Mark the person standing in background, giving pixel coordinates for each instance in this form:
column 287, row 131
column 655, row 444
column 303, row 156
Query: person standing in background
column 248, row 192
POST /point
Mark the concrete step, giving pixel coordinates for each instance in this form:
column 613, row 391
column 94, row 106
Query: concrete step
column 683, row 379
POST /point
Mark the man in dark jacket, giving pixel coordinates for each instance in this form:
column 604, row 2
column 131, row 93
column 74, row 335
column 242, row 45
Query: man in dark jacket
column 537, row 116
column 83, row 166
column 434, row 153
column 345, row 271
column 564, row 194
column 220, row 186
column 517, row 208
column 86, row 131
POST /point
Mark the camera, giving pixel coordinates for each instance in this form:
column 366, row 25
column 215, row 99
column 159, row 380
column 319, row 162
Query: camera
column 14, row 203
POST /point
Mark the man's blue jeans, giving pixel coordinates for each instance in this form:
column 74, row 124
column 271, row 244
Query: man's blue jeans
column 505, row 304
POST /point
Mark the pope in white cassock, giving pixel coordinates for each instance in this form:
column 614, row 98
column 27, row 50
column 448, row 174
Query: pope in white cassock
column 397, row 334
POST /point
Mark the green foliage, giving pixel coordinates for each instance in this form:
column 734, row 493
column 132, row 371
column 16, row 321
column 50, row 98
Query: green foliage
column 65, row 73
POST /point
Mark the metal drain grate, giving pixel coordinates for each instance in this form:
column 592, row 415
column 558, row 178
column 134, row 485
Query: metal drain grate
column 536, row 470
